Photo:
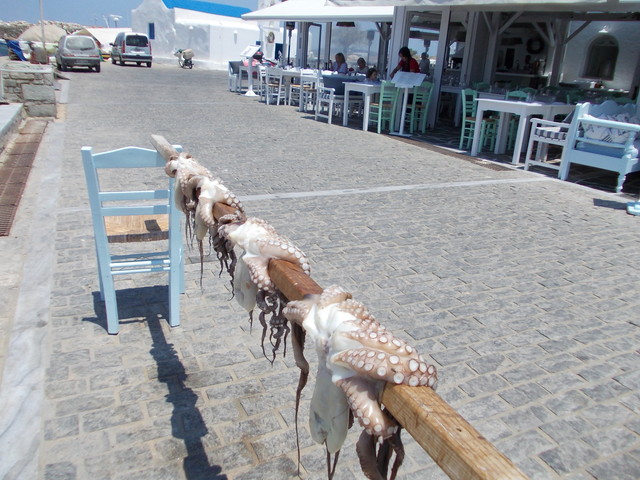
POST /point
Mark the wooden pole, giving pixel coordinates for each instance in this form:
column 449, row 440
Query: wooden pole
column 451, row 441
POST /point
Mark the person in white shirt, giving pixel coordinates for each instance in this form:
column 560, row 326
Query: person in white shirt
column 362, row 66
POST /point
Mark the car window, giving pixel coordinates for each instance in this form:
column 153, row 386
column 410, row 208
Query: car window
column 137, row 41
column 80, row 43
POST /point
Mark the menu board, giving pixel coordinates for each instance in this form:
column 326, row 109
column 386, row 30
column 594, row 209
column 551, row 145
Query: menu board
column 408, row 79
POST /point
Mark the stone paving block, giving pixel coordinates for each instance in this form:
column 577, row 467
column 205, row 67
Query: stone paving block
column 567, row 402
column 526, row 444
column 622, row 467
column 110, row 417
column 611, row 440
column 117, row 460
column 278, row 469
column 524, row 394
column 566, row 429
column 489, row 383
column 255, row 426
column 84, row 403
column 568, row 457
column 60, row 471
column 602, row 392
column 61, row 427
column 600, row 415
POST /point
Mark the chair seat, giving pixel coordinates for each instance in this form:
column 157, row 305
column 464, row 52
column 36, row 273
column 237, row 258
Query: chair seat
column 137, row 228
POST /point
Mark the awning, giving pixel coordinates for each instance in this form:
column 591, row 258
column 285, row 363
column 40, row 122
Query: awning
column 320, row 11
column 505, row 5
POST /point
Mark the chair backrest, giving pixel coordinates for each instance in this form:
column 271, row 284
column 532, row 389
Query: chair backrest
column 234, row 67
column 388, row 92
column 517, row 95
column 324, row 103
column 274, row 75
column 481, row 86
column 115, row 200
column 469, row 104
column 422, row 93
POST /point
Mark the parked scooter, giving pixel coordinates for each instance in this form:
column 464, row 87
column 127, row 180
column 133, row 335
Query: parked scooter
column 185, row 57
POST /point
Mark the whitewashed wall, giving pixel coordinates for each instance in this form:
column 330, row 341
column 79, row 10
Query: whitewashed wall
column 215, row 39
column 628, row 36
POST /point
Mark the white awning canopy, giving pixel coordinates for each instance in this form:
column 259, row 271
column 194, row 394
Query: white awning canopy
column 504, row 5
column 321, row 11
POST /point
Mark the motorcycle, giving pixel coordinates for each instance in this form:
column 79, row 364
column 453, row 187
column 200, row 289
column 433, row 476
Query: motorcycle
column 185, row 57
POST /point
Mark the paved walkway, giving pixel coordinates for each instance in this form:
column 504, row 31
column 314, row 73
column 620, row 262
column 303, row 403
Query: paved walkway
column 522, row 289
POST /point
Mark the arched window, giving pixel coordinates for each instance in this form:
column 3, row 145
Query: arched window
column 601, row 58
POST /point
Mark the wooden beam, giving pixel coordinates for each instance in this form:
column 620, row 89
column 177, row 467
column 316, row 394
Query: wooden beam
column 458, row 448
column 164, row 148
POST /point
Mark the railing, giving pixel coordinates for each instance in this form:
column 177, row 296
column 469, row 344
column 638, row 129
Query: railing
column 458, row 448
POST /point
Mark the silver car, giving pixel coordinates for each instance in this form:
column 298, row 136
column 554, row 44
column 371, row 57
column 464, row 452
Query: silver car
column 77, row 51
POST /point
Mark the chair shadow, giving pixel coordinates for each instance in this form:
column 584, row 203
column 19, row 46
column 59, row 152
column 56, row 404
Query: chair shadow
column 612, row 204
column 149, row 305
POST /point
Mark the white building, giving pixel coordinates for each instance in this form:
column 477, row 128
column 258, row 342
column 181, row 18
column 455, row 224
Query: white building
column 215, row 32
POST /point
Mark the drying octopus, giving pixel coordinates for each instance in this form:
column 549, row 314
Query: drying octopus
column 196, row 193
column 356, row 357
column 251, row 281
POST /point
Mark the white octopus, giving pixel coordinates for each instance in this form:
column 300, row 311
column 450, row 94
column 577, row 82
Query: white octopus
column 356, row 356
column 197, row 191
column 251, row 282
column 260, row 242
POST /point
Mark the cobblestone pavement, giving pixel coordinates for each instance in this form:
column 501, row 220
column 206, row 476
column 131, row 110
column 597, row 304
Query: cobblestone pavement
column 523, row 290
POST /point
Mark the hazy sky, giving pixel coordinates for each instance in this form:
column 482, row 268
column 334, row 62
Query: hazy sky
column 84, row 12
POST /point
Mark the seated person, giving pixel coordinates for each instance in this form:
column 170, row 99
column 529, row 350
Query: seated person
column 372, row 75
column 340, row 65
column 362, row 66
column 407, row 63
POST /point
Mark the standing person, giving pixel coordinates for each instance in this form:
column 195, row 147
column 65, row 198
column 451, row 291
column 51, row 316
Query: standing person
column 407, row 63
column 340, row 65
column 424, row 63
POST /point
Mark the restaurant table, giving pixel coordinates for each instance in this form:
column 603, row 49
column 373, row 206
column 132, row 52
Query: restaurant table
column 511, row 107
column 367, row 90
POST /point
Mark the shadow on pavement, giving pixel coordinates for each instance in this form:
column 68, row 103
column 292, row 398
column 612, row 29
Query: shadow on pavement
column 148, row 305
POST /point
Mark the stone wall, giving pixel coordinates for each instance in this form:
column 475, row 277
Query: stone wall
column 31, row 85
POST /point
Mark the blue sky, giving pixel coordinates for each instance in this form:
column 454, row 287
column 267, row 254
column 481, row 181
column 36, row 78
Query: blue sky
column 85, row 12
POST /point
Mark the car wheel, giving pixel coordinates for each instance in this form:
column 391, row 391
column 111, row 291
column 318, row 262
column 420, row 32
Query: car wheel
column 113, row 60
column 148, row 64
column 97, row 67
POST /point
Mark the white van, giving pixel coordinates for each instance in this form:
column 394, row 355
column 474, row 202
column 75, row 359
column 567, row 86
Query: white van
column 131, row 47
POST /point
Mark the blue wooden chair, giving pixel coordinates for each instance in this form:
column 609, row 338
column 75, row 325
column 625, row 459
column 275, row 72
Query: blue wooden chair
column 488, row 129
column 124, row 216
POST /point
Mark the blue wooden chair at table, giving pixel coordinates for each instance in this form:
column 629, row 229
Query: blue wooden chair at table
column 488, row 127
column 417, row 111
column 120, row 215
column 384, row 109
column 522, row 96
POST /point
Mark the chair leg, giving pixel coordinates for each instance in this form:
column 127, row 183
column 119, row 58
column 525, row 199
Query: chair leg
column 110, row 304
